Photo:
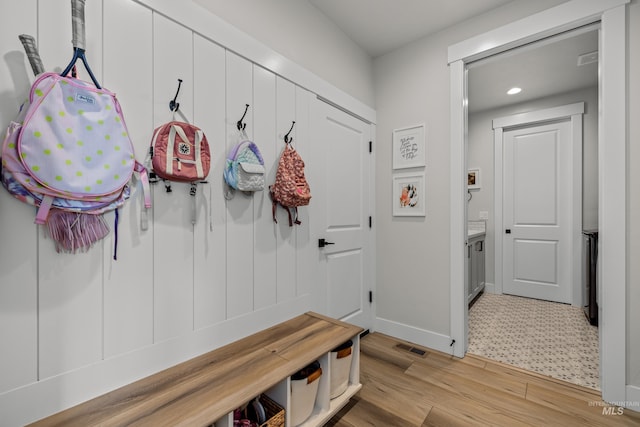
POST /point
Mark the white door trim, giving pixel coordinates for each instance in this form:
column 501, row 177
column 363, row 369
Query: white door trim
column 573, row 112
column 539, row 116
column 611, row 164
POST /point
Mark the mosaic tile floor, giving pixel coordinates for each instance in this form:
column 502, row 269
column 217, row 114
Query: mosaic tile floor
column 545, row 337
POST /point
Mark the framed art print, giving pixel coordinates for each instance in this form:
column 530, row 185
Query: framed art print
column 473, row 179
column 409, row 148
column 409, row 194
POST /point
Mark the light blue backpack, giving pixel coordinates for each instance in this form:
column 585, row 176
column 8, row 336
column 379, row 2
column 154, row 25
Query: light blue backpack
column 245, row 169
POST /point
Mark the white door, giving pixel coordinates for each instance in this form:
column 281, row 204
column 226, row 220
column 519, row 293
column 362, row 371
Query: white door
column 537, row 212
column 342, row 206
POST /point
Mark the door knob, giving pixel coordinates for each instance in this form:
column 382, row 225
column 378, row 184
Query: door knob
column 508, row 231
column 322, row 243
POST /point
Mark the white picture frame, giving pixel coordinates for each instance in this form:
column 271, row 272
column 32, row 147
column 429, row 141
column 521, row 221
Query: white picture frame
column 409, row 149
column 409, row 194
column 473, row 179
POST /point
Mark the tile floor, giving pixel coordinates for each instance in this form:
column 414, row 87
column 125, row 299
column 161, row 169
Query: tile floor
column 545, row 337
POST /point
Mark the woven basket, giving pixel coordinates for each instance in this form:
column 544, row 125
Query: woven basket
column 275, row 412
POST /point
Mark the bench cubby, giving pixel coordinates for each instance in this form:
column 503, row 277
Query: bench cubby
column 206, row 389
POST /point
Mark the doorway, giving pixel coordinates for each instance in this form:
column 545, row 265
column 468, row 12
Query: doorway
column 612, row 202
column 535, row 163
column 345, row 250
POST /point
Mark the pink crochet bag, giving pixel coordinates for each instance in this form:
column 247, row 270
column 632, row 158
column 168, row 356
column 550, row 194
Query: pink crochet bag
column 291, row 189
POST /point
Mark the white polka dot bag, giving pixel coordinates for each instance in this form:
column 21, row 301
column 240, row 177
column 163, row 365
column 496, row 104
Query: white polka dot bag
column 69, row 153
column 74, row 141
column 71, row 158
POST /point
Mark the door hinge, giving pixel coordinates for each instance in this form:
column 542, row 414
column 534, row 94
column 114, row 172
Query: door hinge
column 371, row 146
column 370, row 222
column 370, row 297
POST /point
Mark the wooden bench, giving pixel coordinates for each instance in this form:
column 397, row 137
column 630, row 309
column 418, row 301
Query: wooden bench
column 207, row 389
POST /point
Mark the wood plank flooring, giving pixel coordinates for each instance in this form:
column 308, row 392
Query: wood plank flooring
column 401, row 388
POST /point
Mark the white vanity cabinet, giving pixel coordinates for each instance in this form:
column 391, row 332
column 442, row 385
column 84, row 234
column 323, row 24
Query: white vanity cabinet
column 475, row 259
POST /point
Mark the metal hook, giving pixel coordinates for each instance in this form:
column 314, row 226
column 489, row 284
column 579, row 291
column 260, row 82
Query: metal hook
column 173, row 105
column 242, row 126
column 286, row 137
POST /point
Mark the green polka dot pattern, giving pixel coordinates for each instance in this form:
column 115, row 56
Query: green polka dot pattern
column 76, row 141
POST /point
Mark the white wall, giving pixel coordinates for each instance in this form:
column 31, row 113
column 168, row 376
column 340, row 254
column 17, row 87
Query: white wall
column 75, row 326
column 412, row 87
column 481, row 154
column 301, row 32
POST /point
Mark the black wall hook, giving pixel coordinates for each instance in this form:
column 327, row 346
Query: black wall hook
column 242, row 126
column 286, row 137
column 173, row 105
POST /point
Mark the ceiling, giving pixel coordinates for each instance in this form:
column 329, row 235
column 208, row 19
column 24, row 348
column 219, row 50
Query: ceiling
column 380, row 26
column 546, row 68
column 543, row 69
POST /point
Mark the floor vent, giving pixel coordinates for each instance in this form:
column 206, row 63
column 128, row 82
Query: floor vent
column 418, row 351
column 414, row 350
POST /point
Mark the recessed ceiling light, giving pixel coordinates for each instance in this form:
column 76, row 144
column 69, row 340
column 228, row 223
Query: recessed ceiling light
column 514, row 90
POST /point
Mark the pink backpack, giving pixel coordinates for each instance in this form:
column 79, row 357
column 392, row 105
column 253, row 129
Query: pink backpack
column 180, row 152
column 74, row 141
column 291, row 188
column 68, row 151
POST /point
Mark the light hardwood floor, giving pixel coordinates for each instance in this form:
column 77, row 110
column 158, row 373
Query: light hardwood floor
column 401, row 388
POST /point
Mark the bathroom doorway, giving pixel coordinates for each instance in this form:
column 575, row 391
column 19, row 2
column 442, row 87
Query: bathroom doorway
column 611, row 160
column 534, row 221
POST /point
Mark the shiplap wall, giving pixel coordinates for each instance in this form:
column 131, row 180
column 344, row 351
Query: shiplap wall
column 75, row 326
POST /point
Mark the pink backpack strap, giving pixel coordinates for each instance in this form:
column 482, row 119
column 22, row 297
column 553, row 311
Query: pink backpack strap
column 296, row 221
column 274, row 204
column 144, row 178
column 43, row 210
column 146, row 192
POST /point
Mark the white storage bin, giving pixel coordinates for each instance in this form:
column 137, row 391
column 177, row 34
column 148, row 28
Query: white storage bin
column 340, row 369
column 304, row 389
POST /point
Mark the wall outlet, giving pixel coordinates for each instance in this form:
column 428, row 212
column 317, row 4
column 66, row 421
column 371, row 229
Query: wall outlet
column 483, row 215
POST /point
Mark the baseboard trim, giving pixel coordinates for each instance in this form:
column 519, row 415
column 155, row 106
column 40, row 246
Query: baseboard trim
column 423, row 337
column 633, row 398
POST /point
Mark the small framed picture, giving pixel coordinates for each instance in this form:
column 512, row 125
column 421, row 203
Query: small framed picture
column 409, row 194
column 409, row 147
column 473, row 179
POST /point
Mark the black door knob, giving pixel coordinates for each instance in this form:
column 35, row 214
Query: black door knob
column 322, row 243
column 508, row 231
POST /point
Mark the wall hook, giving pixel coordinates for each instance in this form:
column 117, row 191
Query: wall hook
column 173, row 105
column 242, row 126
column 286, row 137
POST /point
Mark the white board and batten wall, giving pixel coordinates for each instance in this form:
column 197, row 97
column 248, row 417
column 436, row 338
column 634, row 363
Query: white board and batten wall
column 76, row 326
